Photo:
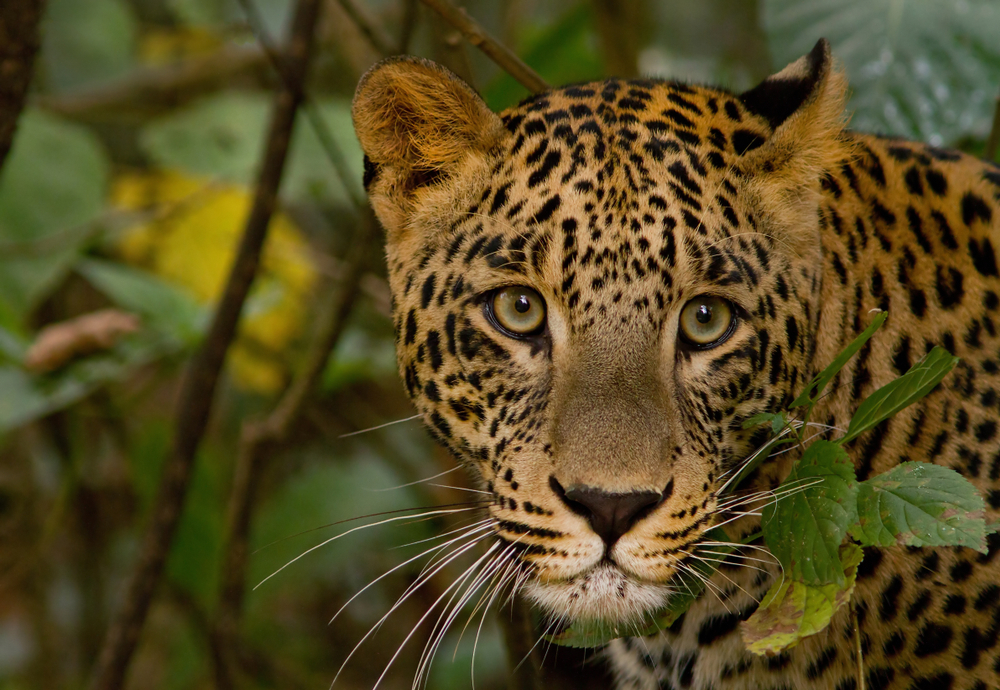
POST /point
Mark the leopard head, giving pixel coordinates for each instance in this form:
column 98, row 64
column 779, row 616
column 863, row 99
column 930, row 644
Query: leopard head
column 592, row 291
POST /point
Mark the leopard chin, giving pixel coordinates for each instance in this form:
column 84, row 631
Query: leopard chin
column 604, row 593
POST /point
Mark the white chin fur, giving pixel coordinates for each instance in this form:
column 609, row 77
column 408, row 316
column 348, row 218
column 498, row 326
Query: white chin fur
column 605, row 593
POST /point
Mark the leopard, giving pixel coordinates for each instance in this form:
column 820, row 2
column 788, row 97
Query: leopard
column 594, row 289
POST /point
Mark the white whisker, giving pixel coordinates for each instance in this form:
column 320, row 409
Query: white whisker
column 448, row 511
column 380, row 426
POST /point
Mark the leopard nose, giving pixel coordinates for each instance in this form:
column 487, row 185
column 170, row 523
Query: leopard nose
column 610, row 514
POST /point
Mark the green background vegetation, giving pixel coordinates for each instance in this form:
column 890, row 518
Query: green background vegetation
column 128, row 184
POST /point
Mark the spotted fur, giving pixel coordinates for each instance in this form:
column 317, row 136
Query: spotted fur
column 619, row 201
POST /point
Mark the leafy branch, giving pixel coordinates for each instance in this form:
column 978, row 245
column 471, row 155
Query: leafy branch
column 826, row 515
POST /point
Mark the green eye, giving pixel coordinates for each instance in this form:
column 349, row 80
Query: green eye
column 518, row 311
column 707, row 321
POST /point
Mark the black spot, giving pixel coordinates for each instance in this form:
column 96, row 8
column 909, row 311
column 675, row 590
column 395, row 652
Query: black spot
column 542, row 173
column 434, row 349
column 918, row 302
column 919, row 606
column 949, row 287
column 685, row 673
column 988, row 597
column 745, row 140
column 894, row 644
column 941, row 681
column 890, row 595
column 974, row 208
column 983, row 256
column 936, row 181
column 411, row 328
column 717, row 626
column 546, row 211
column 961, row 571
column 913, row 183
column 821, row 663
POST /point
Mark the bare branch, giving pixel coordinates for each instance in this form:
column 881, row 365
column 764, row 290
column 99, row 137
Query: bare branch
column 258, row 439
column 496, row 51
column 326, row 140
column 369, row 28
column 18, row 45
column 151, row 90
column 198, row 386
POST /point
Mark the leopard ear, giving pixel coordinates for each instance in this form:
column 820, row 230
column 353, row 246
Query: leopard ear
column 417, row 123
column 804, row 105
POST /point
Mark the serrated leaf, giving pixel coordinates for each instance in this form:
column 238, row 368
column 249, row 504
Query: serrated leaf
column 923, row 70
column 777, row 420
column 918, row 504
column 792, row 610
column 805, row 527
column 904, row 391
column 815, row 388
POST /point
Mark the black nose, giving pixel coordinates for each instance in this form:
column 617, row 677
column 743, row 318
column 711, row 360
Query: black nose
column 611, row 515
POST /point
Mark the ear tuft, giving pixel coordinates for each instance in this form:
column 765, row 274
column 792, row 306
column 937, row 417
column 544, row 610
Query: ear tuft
column 420, row 120
column 781, row 94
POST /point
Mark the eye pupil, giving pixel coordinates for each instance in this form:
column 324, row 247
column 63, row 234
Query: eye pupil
column 522, row 305
column 703, row 314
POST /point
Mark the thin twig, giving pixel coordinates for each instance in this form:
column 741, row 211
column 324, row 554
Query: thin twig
column 259, row 438
column 18, row 46
column 326, row 140
column 149, row 90
column 198, row 386
column 369, row 29
column 496, row 51
column 993, row 143
column 522, row 656
column 408, row 25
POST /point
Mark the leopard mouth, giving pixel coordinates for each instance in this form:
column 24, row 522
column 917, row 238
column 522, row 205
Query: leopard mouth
column 604, row 593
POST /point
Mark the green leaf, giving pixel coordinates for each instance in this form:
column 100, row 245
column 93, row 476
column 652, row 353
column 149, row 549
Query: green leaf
column 219, row 137
column 564, row 51
column 52, row 191
column 923, row 70
column 777, row 420
column 87, row 43
column 792, row 610
column 815, row 388
column 918, row 504
column 167, row 308
column 27, row 397
column 904, row 391
column 806, row 526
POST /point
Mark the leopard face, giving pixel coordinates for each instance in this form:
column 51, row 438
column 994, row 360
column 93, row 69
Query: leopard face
column 595, row 289
column 592, row 292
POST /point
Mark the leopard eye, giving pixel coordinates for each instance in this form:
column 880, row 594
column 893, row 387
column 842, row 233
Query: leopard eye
column 707, row 321
column 518, row 311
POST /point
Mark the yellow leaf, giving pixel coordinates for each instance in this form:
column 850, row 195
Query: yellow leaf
column 187, row 232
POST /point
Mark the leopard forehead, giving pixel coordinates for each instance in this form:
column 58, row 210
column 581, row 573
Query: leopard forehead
column 596, row 189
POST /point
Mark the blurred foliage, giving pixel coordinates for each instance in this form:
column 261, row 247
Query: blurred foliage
column 128, row 186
